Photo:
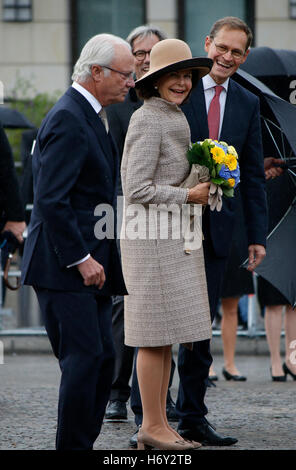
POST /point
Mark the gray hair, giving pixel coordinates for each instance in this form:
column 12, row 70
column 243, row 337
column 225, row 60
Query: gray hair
column 98, row 50
column 144, row 31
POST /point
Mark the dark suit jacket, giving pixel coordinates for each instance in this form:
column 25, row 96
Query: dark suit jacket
column 241, row 128
column 11, row 206
column 75, row 168
column 119, row 115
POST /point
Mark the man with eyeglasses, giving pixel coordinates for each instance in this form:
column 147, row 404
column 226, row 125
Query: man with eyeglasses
column 235, row 119
column 74, row 274
column 141, row 39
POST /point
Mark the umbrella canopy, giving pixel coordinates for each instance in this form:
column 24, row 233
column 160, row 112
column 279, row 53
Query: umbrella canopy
column 274, row 67
column 13, row 119
column 278, row 267
column 278, row 118
column 265, row 61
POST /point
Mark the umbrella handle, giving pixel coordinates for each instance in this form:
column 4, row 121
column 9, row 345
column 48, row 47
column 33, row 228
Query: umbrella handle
column 5, row 275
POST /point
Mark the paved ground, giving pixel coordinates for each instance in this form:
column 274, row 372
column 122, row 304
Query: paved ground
column 259, row 412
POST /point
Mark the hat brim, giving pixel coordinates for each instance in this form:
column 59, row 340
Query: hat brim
column 201, row 64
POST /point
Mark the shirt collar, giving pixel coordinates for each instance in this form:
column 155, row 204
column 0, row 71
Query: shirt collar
column 88, row 96
column 208, row 82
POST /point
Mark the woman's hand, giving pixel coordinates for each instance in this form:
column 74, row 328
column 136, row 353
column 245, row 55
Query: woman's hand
column 199, row 194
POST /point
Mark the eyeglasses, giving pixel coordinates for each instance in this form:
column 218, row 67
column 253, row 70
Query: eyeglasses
column 140, row 55
column 125, row 75
column 221, row 49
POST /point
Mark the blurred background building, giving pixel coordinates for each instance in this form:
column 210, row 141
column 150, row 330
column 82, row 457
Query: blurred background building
column 41, row 39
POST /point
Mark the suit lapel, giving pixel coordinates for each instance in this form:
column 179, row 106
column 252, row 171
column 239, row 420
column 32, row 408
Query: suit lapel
column 96, row 124
column 196, row 113
column 232, row 106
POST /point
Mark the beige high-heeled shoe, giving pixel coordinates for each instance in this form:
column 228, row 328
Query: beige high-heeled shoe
column 147, row 442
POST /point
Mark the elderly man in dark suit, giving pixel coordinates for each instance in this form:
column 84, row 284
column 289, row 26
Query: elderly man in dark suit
column 74, row 273
column 236, row 121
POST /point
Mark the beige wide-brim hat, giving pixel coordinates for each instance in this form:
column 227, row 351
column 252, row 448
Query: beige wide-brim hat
column 173, row 54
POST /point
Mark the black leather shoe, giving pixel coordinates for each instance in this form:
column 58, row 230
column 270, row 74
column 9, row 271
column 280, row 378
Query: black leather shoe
column 236, row 378
column 133, row 442
column 116, row 410
column 278, row 378
column 213, row 378
column 288, row 371
column 206, row 435
column 210, row 383
column 171, row 411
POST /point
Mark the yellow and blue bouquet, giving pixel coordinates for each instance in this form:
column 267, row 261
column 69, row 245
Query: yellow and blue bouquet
column 216, row 162
column 222, row 161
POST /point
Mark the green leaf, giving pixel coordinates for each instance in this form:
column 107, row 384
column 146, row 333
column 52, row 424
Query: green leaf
column 218, row 181
column 228, row 192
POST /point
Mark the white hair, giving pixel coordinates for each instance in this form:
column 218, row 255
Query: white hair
column 98, row 50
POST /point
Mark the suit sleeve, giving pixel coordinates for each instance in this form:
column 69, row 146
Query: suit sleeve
column 253, row 182
column 10, row 196
column 62, row 146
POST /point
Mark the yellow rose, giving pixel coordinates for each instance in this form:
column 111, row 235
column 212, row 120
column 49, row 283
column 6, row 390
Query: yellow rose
column 231, row 162
column 218, row 154
column 231, row 182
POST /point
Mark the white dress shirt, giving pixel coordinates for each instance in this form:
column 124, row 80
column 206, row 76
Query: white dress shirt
column 209, row 90
column 97, row 107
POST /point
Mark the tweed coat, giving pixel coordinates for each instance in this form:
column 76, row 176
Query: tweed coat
column 168, row 299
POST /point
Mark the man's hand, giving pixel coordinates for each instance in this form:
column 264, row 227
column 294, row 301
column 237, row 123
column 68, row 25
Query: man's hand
column 17, row 228
column 199, row 194
column 256, row 255
column 270, row 170
column 92, row 272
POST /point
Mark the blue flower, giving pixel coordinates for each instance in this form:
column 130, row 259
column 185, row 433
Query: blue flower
column 226, row 174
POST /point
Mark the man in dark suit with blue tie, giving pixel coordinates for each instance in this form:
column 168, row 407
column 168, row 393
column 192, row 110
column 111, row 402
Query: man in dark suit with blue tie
column 74, row 270
column 238, row 124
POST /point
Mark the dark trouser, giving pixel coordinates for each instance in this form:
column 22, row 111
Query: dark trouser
column 79, row 329
column 136, row 403
column 193, row 366
column 124, row 354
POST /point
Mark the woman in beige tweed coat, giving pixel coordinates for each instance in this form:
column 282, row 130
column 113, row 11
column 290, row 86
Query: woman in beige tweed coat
column 168, row 300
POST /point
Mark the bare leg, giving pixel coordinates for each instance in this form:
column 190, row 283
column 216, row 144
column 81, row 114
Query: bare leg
column 290, row 330
column 153, row 378
column 273, row 327
column 165, row 384
column 229, row 332
column 212, row 372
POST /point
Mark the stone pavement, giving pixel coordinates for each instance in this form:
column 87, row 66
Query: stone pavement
column 259, row 412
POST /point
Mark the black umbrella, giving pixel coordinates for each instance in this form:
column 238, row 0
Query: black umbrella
column 278, row 119
column 279, row 140
column 13, row 119
column 274, row 67
column 278, row 267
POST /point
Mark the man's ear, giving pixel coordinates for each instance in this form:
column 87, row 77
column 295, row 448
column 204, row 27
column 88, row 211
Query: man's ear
column 245, row 55
column 96, row 72
column 208, row 42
